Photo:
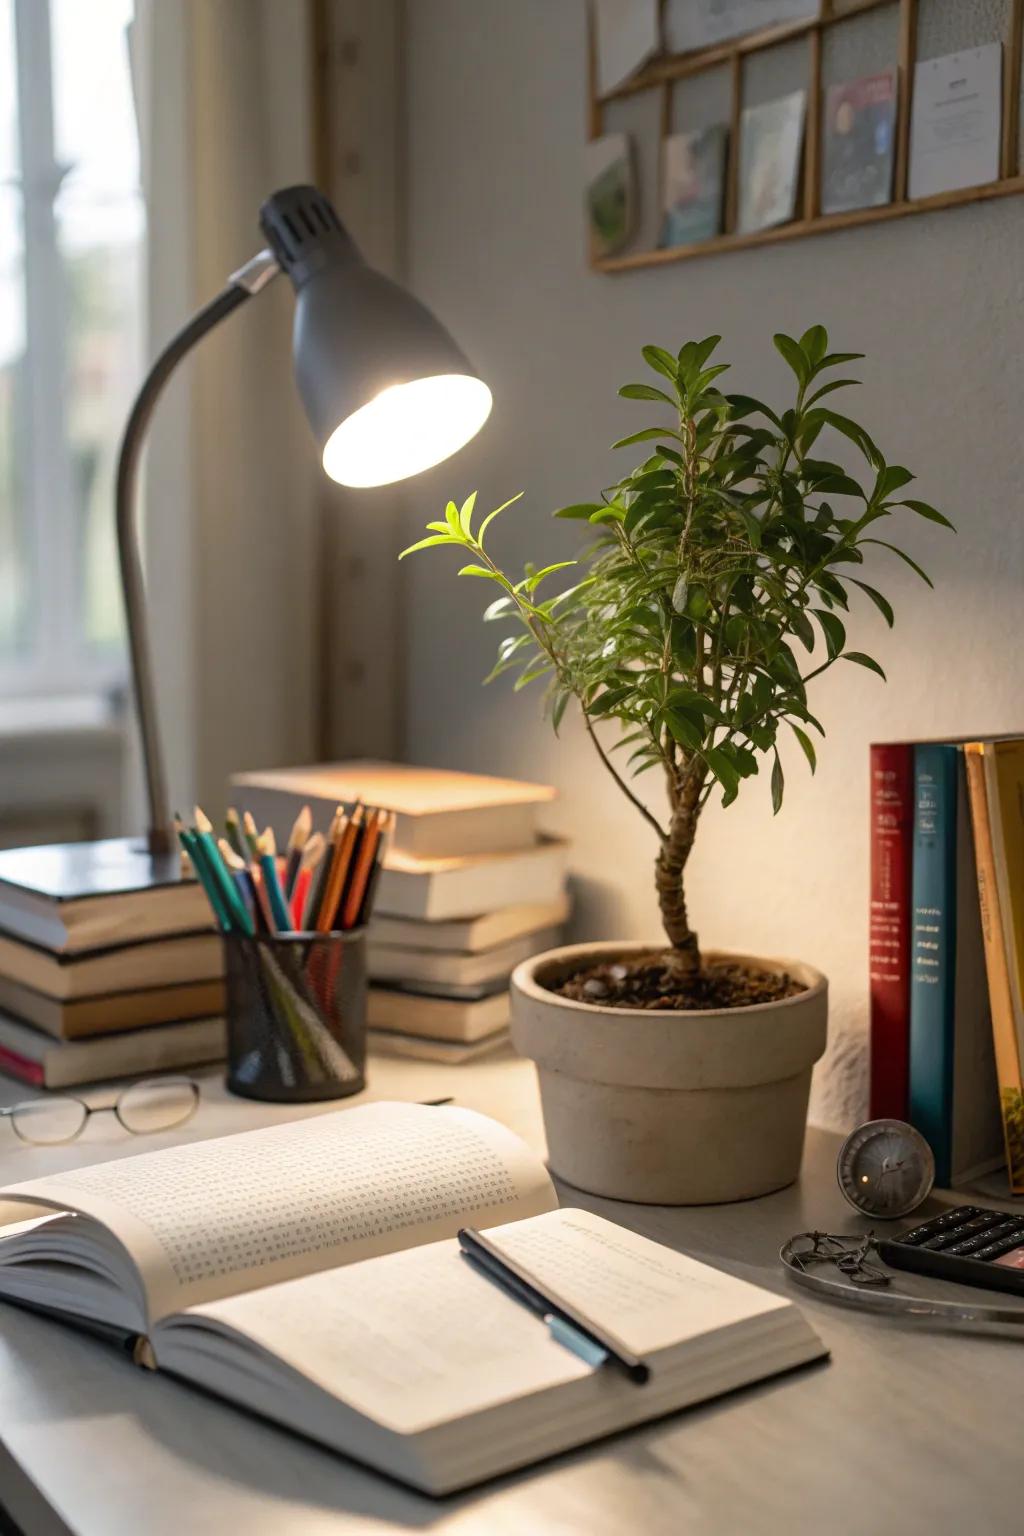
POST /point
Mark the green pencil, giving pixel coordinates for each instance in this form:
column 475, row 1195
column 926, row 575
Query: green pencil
column 239, row 918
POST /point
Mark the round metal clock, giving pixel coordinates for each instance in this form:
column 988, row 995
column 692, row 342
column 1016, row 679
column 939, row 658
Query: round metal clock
column 885, row 1168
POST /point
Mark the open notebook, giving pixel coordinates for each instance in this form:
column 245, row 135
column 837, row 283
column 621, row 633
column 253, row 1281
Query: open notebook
column 309, row 1272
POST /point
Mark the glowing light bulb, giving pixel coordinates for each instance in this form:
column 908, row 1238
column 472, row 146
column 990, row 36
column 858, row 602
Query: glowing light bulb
column 407, row 428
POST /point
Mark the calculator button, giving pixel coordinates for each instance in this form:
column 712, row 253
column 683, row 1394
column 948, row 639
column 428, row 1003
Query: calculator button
column 969, row 1245
column 999, row 1245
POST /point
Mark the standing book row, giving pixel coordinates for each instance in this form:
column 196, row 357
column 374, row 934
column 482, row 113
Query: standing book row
column 468, row 889
column 947, row 949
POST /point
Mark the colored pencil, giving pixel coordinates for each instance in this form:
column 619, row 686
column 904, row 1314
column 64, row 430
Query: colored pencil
column 341, row 858
column 233, row 827
column 318, row 883
column 312, row 855
column 297, row 841
column 362, row 866
column 190, row 843
column 250, row 832
column 238, row 868
column 267, row 851
column 366, row 910
column 237, row 913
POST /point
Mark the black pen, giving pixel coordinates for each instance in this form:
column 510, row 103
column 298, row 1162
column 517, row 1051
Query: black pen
column 565, row 1324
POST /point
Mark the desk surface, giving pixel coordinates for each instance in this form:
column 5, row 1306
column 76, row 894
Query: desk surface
column 904, row 1430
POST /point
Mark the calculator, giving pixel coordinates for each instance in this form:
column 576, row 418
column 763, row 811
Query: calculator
column 968, row 1245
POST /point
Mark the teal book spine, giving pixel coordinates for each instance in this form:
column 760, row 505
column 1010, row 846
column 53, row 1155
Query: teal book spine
column 933, row 950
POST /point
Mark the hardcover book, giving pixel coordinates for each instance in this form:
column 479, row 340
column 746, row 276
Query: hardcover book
column 892, row 819
column 70, row 897
column 1003, row 982
column 43, row 1062
column 309, row 1273
column 439, row 813
column 859, row 139
column 954, row 1099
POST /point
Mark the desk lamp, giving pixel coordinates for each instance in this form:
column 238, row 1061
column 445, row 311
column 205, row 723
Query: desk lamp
column 386, row 390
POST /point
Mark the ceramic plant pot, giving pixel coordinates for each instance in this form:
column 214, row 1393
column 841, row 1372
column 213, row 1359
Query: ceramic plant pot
column 670, row 1108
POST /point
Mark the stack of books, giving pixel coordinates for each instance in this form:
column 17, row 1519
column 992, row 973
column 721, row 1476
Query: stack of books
column 469, row 888
column 947, row 949
column 108, row 965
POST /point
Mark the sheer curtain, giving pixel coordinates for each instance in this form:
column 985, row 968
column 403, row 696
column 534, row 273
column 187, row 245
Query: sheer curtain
column 232, row 484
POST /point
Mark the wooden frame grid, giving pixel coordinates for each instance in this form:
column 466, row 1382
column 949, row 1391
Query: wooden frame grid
column 665, row 72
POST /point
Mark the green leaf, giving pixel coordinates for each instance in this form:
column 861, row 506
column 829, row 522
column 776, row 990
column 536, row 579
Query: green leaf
column 840, row 485
column 835, row 634
column 833, row 359
column 501, row 608
column 438, row 527
column 466, row 515
column 647, row 435
column 864, row 661
column 807, row 745
column 662, row 362
column 580, row 509
column 794, row 355
column 924, row 510
column 778, row 785
column 684, row 730
column 435, row 538
column 533, row 581
column 814, row 343
column 746, row 405
column 679, row 592
column 892, row 478
column 479, row 570
column 883, row 544
column 489, row 519
column 881, row 603
column 827, row 389
column 558, row 709
column 451, row 512
column 645, row 392
column 724, row 771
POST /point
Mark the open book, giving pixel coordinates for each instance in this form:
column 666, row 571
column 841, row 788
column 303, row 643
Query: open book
column 310, row 1273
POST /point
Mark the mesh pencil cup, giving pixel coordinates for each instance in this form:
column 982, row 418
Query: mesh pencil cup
column 296, row 1015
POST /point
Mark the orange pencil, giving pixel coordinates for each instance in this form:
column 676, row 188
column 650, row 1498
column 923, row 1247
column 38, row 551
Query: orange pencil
column 362, row 864
column 318, row 884
column 340, row 861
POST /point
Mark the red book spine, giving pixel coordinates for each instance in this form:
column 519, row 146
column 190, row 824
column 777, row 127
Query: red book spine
column 892, row 840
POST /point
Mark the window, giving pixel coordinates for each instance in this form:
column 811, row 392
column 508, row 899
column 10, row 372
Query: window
column 72, row 226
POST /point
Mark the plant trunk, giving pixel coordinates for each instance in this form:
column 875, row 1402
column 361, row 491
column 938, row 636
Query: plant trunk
column 669, row 871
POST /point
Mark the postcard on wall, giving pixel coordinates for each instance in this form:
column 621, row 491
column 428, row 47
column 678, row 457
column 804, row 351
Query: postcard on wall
column 692, row 24
column 610, row 193
column 956, row 121
column 693, row 185
column 627, row 36
column 857, row 153
column 771, row 139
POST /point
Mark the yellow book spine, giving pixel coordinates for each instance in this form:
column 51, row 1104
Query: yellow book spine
column 1004, row 1028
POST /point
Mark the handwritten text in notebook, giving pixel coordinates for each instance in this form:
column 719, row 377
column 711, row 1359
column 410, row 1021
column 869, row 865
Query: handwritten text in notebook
column 216, row 1208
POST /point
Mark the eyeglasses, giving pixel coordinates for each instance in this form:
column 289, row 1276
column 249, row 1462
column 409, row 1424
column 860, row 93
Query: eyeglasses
column 153, row 1104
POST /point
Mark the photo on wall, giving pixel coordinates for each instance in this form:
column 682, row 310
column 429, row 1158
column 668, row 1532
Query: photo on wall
column 858, row 143
column 610, row 193
column 693, row 185
column 771, row 140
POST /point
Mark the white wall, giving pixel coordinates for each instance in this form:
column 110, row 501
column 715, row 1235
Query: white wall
column 495, row 241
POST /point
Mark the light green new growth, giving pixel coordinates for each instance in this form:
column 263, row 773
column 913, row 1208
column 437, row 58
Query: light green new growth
column 715, row 558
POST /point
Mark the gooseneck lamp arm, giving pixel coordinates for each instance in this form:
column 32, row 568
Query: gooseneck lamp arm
column 242, row 285
column 386, row 390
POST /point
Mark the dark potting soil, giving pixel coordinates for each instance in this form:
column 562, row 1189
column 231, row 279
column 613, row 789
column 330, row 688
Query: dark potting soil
column 647, row 982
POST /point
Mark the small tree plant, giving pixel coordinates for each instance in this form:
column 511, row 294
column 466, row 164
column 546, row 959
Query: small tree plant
column 720, row 558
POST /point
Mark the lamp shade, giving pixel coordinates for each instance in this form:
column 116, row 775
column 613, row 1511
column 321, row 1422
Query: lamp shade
column 387, row 391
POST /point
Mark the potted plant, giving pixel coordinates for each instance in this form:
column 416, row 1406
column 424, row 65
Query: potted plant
column 668, row 1075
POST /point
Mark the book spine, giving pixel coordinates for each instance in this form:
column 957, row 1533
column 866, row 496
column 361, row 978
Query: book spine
column 1004, row 1033
column 933, row 951
column 892, row 817
column 22, row 1067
